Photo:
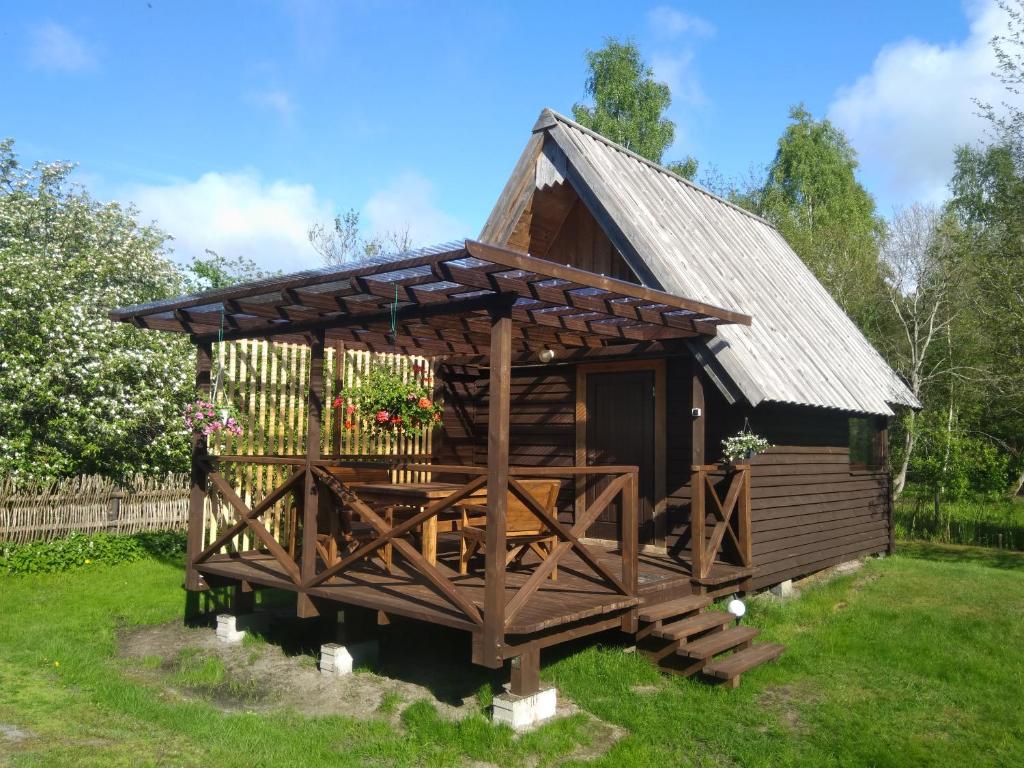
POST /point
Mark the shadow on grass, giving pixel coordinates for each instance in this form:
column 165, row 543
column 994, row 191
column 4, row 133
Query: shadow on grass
column 953, row 553
column 432, row 656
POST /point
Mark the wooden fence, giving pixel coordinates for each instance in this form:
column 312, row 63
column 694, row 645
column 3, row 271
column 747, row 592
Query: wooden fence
column 91, row 504
column 267, row 385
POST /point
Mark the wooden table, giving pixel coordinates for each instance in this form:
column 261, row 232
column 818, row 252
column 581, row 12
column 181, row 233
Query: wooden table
column 414, row 496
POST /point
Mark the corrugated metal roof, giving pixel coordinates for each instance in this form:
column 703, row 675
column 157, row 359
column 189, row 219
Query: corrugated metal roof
column 801, row 347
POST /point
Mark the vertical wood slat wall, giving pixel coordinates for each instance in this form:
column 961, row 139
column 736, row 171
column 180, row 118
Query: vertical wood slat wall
column 267, row 385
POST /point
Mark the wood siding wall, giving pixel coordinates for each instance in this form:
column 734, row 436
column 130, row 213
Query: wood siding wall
column 582, row 243
column 811, row 509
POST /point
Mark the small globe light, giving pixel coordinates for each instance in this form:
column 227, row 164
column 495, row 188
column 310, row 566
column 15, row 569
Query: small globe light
column 737, row 608
column 546, row 355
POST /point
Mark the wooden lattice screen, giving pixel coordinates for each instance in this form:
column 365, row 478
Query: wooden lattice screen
column 267, row 384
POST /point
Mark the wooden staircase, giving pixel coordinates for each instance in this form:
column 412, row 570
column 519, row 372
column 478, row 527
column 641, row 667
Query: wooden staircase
column 684, row 638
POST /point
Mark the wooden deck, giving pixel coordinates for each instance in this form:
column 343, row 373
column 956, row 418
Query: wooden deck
column 575, row 596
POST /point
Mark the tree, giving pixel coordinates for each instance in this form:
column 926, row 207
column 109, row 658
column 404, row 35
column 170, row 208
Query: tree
column 79, row 393
column 1008, row 118
column 629, row 104
column 987, row 198
column 343, row 243
column 215, row 271
column 811, row 194
column 922, row 286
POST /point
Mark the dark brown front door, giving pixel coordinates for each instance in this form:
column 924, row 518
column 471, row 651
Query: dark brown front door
column 620, row 430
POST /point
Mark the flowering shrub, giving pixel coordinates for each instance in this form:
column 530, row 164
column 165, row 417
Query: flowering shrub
column 384, row 403
column 202, row 417
column 78, row 393
column 743, row 445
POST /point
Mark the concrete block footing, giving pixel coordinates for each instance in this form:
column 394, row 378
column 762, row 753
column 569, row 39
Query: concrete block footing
column 335, row 660
column 521, row 712
column 783, row 589
column 338, row 659
column 231, row 628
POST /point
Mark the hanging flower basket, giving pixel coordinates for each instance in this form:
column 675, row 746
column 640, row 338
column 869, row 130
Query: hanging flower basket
column 744, row 445
column 204, row 418
column 384, row 403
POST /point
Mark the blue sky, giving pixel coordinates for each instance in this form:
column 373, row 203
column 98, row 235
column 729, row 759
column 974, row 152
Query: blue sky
column 237, row 124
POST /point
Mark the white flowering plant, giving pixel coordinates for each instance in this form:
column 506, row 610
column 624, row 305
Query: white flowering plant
column 744, row 445
column 78, row 393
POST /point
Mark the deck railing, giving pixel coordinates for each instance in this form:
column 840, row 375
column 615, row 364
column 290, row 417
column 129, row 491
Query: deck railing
column 730, row 514
column 622, row 485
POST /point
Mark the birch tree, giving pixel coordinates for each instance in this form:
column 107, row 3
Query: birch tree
column 918, row 253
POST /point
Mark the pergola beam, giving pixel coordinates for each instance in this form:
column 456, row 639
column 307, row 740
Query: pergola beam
column 439, row 303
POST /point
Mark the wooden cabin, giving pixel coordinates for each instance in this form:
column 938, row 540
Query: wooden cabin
column 610, row 326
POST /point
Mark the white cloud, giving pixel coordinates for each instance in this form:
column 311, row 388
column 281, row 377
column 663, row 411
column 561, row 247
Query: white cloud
column 670, row 22
column 56, row 48
column 410, row 200
column 907, row 114
column 237, row 214
column 677, row 71
column 276, row 100
column 673, row 64
column 240, row 214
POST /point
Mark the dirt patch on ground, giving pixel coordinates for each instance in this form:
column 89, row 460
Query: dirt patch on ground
column 14, row 734
column 645, row 690
column 261, row 677
column 783, row 701
column 264, row 676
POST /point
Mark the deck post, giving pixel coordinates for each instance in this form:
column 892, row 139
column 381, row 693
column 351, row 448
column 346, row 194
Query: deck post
column 697, row 459
column 499, row 389
column 194, row 581
column 526, row 672
column 630, row 546
column 310, row 506
column 698, row 437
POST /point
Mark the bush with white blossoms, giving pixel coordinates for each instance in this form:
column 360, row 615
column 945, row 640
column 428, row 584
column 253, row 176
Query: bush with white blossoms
column 80, row 394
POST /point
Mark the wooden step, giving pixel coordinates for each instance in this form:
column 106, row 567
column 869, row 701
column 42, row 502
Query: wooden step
column 736, row 664
column 718, row 642
column 672, row 608
column 723, row 576
column 694, row 625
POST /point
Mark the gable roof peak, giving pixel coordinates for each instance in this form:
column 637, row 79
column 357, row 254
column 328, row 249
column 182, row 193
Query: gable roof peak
column 549, row 118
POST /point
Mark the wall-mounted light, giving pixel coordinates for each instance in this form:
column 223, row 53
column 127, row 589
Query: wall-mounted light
column 546, row 355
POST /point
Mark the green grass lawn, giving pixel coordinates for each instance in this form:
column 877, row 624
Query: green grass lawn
column 914, row 660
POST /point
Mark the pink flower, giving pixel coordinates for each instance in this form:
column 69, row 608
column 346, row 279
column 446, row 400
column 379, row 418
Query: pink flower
column 351, row 409
column 382, row 417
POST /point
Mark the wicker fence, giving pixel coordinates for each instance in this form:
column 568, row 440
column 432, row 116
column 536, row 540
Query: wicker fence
column 89, row 505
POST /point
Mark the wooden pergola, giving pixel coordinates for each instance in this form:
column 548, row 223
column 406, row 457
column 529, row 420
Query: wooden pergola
column 466, row 302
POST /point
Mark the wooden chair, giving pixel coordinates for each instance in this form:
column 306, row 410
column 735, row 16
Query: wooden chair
column 336, row 531
column 524, row 530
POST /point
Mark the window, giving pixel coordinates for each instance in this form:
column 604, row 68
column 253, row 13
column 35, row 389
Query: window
column 866, row 442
